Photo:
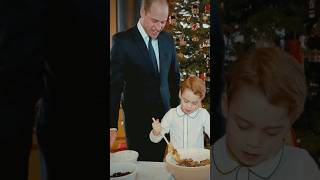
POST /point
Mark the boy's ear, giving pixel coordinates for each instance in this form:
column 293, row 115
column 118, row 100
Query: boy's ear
column 224, row 105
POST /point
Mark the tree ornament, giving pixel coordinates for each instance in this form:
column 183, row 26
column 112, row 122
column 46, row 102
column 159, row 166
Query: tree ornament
column 195, row 26
column 195, row 39
column 205, row 18
column 182, row 42
column 195, row 9
column 202, row 76
column 312, row 9
column 207, row 8
column 180, row 56
column 188, row 18
column 173, row 19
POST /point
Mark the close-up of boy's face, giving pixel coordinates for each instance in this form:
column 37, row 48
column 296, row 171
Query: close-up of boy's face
column 189, row 101
column 255, row 129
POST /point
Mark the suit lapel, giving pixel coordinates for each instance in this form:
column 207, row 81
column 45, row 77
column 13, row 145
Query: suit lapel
column 142, row 47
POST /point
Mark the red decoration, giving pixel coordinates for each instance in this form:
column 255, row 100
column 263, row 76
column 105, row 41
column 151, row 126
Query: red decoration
column 294, row 49
column 207, row 8
column 202, row 76
column 195, row 26
column 122, row 146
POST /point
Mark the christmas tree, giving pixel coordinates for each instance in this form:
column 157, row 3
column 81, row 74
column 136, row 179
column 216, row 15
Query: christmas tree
column 189, row 24
column 251, row 23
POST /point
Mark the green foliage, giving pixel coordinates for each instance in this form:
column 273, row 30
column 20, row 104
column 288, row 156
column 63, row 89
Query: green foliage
column 193, row 56
column 259, row 18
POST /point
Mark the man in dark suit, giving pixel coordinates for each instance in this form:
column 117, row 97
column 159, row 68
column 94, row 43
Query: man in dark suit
column 144, row 68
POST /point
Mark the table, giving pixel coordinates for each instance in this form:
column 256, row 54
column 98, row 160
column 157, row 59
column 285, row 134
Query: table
column 148, row 170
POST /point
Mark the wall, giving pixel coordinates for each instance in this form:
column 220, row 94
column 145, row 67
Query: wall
column 113, row 19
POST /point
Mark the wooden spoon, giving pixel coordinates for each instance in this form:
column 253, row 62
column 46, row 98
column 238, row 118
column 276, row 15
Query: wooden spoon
column 175, row 155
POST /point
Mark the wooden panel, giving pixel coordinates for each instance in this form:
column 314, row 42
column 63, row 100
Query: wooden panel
column 113, row 19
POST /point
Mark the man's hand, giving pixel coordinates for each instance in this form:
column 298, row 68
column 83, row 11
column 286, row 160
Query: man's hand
column 113, row 136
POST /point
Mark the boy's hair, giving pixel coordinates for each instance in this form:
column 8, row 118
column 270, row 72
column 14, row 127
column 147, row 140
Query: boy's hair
column 146, row 4
column 195, row 84
column 276, row 73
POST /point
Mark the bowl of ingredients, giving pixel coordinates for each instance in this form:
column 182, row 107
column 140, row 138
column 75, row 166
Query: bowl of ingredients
column 123, row 171
column 193, row 163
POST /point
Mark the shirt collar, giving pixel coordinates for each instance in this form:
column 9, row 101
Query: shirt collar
column 192, row 115
column 142, row 31
column 225, row 164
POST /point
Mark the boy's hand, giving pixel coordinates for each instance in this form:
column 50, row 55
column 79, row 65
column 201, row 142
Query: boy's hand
column 156, row 127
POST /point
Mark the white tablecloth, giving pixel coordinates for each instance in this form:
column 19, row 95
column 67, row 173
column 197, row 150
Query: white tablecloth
column 152, row 171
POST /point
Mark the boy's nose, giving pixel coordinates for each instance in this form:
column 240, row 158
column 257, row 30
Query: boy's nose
column 255, row 140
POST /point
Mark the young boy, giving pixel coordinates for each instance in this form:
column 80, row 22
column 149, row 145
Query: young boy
column 187, row 122
column 265, row 94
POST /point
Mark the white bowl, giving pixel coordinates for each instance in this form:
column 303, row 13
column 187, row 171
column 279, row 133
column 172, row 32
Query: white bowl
column 123, row 167
column 189, row 173
column 124, row 156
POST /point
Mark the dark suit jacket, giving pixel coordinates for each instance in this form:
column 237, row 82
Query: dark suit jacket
column 133, row 74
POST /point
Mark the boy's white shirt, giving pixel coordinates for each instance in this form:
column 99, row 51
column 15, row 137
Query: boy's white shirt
column 295, row 164
column 186, row 130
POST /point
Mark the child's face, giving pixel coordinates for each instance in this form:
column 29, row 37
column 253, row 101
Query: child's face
column 189, row 101
column 255, row 129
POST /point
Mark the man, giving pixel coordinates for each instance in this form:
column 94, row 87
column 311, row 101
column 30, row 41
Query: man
column 147, row 73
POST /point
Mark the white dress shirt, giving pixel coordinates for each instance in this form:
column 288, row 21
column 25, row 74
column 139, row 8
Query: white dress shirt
column 289, row 164
column 186, row 130
column 154, row 42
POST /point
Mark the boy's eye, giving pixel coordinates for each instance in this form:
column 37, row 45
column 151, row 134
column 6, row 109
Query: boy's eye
column 241, row 123
column 273, row 132
column 243, row 126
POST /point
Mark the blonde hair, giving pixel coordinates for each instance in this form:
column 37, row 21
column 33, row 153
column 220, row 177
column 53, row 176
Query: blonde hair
column 195, row 84
column 273, row 71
